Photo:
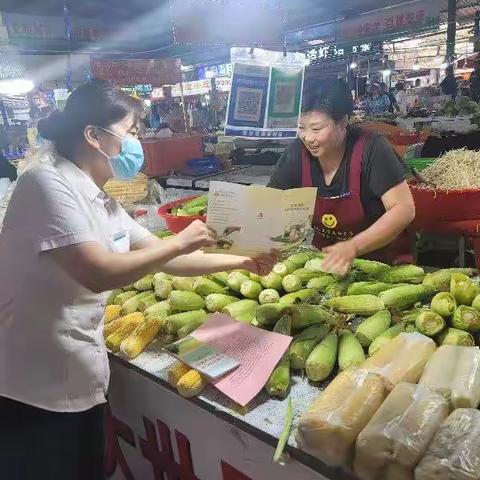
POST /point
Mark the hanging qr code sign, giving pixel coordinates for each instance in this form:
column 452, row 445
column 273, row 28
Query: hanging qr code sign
column 265, row 95
column 227, row 22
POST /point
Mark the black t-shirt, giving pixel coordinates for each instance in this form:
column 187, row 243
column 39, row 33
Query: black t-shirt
column 382, row 170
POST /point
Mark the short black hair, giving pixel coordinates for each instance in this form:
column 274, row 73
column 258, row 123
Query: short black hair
column 93, row 103
column 400, row 86
column 332, row 97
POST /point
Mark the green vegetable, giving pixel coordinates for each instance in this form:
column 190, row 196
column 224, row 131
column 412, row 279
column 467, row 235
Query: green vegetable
column 299, row 259
column 476, row 303
column 372, row 288
column 163, row 234
column 250, row 289
column 444, row 304
column 185, row 301
column 385, row 337
column 372, row 327
column 401, row 298
column 403, row 274
column 163, row 288
column 463, row 289
column 173, row 323
column 320, row 284
column 410, row 328
column 243, row 310
column 356, row 304
column 201, row 201
column 133, row 303
column 441, row 279
column 306, row 275
column 121, row 298
column 466, row 318
column 114, row 294
column 284, row 268
column 269, row 313
column 291, row 283
column 410, row 316
column 184, row 284
column 303, row 344
column 282, row 441
column 204, row 286
column 370, row 267
column 429, row 323
column 268, row 296
column 301, row 295
column 216, row 301
column 315, row 265
column 350, row 352
column 144, row 283
column 339, row 287
column 453, row 336
column 146, row 302
column 158, row 310
column 220, row 277
column 272, row 280
column 235, row 280
column 256, row 278
column 321, row 361
column 189, row 328
column 304, row 315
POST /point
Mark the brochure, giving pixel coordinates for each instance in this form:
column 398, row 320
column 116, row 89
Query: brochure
column 250, row 220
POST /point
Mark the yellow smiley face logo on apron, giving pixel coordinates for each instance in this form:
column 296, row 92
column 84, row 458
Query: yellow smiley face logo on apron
column 329, row 220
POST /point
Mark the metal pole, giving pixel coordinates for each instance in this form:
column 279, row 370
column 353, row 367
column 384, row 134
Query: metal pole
column 476, row 32
column 184, row 108
column 451, row 29
column 3, row 111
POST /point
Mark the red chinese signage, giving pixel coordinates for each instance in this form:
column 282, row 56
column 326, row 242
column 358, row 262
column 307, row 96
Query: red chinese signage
column 156, row 72
column 396, row 20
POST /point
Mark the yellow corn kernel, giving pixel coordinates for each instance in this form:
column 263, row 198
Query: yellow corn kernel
column 112, row 312
column 118, row 322
column 191, row 384
column 114, row 340
column 136, row 342
column 176, row 372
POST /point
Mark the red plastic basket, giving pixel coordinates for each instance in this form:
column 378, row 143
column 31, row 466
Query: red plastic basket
column 434, row 205
column 174, row 223
column 403, row 138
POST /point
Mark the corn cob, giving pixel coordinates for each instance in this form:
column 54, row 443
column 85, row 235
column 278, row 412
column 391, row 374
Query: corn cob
column 163, row 288
column 254, row 277
column 400, row 298
column 146, row 302
column 176, row 372
column 112, row 312
column 272, row 280
column 304, row 315
column 160, row 276
column 284, row 268
column 453, row 336
column 370, row 268
column 250, row 289
column 189, row 328
column 243, row 310
column 372, row 327
column 204, row 286
column 320, row 284
column 235, row 280
column 463, row 289
column 268, row 296
column 114, row 325
column 350, row 352
column 410, row 316
column 315, row 265
column 356, row 304
column 183, row 301
column 444, row 304
column 113, row 294
column 191, row 384
column 114, row 340
column 291, row 283
column 466, row 318
column 121, row 298
column 159, row 310
column 278, row 383
column 132, row 304
column 411, row 328
column 476, row 303
column 184, row 284
column 371, row 288
column 173, row 323
column 294, row 297
column 403, row 274
column 339, row 288
column 385, row 337
column 322, row 359
column 299, row 259
column 440, row 279
column 429, row 323
column 220, row 277
column 269, row 313
column 306, row 275
column 216, row 301
column 137, row 341
column 303, row 344
column 144, row 283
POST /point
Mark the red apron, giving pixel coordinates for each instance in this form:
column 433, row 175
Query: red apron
column 338, row 219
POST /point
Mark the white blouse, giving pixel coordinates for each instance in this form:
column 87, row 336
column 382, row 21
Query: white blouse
column 52, row 353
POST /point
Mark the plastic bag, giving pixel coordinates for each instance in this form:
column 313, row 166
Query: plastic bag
column 398, row 434
column 402, row 359
column 454, row 372
column 454, row 453
column 329, row 427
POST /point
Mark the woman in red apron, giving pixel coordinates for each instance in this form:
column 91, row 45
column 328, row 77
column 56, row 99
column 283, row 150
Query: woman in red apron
column 363, row 203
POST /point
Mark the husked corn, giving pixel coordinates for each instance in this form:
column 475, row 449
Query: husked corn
column 114, row 340
column 191, row 384
column 112, row 312
column 136, row 342
column 176, row 372
column 118, row 322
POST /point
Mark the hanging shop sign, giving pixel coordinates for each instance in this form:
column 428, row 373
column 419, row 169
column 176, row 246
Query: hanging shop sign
column 223, row 70
column 389, row 22
column 266, row 93
column 226, row 22
column 223, row 84
column 332, row 51
column 156, row 72
column 201, row 87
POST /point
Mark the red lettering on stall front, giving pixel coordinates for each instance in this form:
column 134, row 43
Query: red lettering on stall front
column 230, row 473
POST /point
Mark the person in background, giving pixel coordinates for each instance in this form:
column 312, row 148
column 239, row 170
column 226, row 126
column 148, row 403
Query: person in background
column 418, row 83
column 7, row 170
column 449, row 83
column 391, row 97
column 63, row 246
column 363, row 202
column 377, row 103
column 475, row 82
column 401, row 97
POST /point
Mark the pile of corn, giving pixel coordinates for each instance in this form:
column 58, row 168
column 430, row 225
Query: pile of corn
column 297, row 298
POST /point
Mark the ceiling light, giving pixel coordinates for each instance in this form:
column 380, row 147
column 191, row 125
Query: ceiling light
column 17, row 86
column 353, row 65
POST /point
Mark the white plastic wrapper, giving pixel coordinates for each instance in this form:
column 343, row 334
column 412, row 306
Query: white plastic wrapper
column 397, row 436
column 454, row 372
column 329, row 428
column 403, row 359
column 454, row 453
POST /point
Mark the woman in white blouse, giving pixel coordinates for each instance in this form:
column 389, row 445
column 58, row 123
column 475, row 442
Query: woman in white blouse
column 63, row 243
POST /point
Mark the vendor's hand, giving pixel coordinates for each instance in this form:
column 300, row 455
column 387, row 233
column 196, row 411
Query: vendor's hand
column 339, row 258
column 263, row 264
column 194, row 237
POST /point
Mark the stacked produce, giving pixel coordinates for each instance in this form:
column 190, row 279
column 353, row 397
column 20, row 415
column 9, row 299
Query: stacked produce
column 191, row 208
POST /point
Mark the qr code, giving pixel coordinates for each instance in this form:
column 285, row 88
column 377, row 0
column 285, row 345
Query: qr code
column 248, row 106
column 284, row 98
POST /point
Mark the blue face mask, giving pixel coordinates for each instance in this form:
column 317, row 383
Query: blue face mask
column 129, row 161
